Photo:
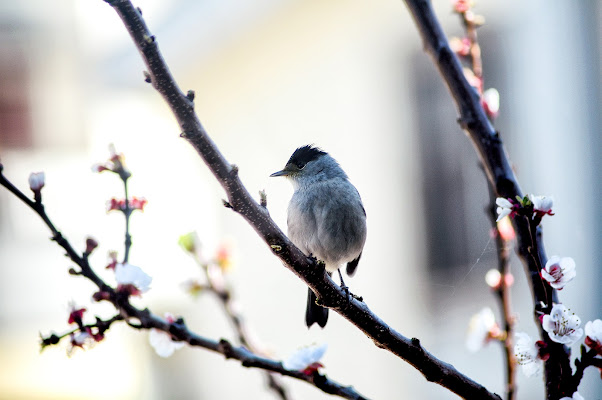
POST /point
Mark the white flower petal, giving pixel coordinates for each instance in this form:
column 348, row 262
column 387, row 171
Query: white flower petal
column 128, row 274
column 503, row 202
column 304, row 357
column 593, row 329
column 504, row 208
column 492, row 98
column 36, row 180
column 527, row 355
column 479, row 328
column 559, row 271
column 562, row 326
column 162, row 343
column 541, row 203
column 531, row 369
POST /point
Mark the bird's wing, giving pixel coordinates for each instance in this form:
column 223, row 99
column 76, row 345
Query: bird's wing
column 352, row 265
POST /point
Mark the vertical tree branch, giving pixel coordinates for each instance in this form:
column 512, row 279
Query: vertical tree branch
column 500, row 175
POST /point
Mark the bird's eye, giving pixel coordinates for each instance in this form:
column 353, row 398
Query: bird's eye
column 300, row 165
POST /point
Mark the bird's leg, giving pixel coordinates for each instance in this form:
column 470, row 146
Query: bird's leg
column 345, row 289
column 343, row 286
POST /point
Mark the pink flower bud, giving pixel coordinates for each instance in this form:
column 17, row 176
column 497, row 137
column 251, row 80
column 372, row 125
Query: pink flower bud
column 461, row 6
column 491, row 102
column 138, row 203
column 116, row 205
column 101, row 295
column 460, row 46
column 75, row 317
column 91, row 244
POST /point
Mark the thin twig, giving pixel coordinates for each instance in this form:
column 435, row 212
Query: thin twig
column 127, row 214
column 502, row 292
column 145, row 319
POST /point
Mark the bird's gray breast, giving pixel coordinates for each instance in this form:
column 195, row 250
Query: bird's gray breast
column 327, row 219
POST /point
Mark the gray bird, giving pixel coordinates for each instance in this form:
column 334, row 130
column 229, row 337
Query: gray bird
column 326, row 218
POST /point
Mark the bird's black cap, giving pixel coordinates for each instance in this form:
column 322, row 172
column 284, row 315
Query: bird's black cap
column 305, row 154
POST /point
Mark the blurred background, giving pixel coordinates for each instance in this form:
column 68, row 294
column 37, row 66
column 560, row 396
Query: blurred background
column 271, row 75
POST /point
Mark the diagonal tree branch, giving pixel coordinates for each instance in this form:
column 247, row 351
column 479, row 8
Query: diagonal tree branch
column 241, row 201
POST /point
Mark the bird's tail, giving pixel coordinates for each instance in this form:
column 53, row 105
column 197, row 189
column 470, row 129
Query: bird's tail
column 315, row 313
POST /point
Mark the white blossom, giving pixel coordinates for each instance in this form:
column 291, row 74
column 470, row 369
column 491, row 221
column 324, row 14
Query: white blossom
column 162, row 342
column 128, row 274
column 36, row 181
column 562, row 325
column 304, row 357
column 81, row 340
column 559, row 271
column 480, row 329
column 593, row 329
column 593, row 335
column 527, row 355
column 542, row 204
column 505, row 207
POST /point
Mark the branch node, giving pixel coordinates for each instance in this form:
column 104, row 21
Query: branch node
column 276, row 248
column 147, row 77
column 263, row 198
column 227, row 204
column 190, row 95
column 225, row 348
column 149, row 39
column 234, row 170
column 139, row 10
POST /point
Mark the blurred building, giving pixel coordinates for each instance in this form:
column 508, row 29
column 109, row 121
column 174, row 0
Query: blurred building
column 269, row 76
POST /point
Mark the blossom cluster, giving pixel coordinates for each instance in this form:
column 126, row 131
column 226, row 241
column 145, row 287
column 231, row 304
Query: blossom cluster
column 115, row 163
column 85, row 336
column 532, row 206
column 467, row 48
column 560, row 324
column 135, row 203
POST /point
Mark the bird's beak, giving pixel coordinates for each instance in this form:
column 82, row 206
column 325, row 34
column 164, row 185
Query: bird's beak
column 284, row 172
